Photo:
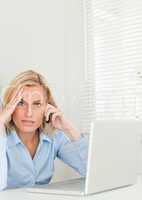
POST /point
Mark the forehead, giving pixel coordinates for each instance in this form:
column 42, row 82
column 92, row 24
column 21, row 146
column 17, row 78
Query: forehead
column 36, row 92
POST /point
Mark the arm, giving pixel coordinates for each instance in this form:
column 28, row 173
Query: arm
column 3, row 159
column 5, row 113
column 74, row 153
column 71, row 146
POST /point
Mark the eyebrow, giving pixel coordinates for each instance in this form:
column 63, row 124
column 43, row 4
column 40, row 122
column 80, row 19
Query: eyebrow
column 36, row 101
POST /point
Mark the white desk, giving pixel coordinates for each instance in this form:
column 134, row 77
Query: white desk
column 131, row 193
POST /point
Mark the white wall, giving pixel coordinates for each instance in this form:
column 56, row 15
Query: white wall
column 139, row 70
column 73, row 70
column 32, row 36
column 44, row 35
column 74, row 57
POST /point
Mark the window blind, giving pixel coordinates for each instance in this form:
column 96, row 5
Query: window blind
column 113, row 45
column 112, row 87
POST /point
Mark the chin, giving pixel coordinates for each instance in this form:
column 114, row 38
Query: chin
column 28, row 129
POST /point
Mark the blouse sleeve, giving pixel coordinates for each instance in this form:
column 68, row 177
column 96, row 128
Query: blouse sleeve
column 74, row 153
column 3, row 159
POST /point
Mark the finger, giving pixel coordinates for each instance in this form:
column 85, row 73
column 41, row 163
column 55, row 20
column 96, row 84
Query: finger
column 16, row 100
column 48, row 113
column 12, row 104
column 50, row 106
column 17, row 92
column 50, row 109
column 57, row 114
column 49, row 118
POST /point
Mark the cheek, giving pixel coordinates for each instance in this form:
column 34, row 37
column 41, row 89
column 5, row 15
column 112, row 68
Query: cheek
column 17, row 115
column 39, row 117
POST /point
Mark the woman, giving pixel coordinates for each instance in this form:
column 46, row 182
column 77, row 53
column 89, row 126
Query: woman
column 33, row 132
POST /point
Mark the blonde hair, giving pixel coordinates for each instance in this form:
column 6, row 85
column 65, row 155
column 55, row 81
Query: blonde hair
column 29, row 78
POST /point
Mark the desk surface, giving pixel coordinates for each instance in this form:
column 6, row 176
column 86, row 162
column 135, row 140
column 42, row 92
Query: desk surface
column 131, row 192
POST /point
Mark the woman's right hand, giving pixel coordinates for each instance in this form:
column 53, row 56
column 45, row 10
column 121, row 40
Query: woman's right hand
column 6, row 113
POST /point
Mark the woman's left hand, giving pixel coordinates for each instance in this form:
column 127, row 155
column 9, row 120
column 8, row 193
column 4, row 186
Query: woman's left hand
column 59, row 121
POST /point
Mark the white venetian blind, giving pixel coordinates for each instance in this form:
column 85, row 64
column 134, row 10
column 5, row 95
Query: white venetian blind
column 113, row 52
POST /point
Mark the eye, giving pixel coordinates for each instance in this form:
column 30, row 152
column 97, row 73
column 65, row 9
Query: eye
column 37, row 104
column 21, row 103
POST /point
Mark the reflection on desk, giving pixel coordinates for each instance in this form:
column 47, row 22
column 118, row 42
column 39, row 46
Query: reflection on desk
column 131, row 192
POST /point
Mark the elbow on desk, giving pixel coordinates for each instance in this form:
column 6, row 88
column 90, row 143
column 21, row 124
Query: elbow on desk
column 2, row 188
column 83, row 172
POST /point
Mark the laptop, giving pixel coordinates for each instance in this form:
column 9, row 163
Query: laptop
column 112, row 160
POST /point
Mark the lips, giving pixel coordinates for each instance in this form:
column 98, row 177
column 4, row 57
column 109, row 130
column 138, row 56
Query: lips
column 28, row 122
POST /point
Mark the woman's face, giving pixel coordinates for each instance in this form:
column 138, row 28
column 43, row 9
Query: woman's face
column 29, row 113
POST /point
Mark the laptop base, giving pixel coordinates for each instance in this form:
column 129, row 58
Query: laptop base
column 68, row 187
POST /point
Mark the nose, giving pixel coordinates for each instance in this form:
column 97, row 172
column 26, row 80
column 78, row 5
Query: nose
column 29, row 111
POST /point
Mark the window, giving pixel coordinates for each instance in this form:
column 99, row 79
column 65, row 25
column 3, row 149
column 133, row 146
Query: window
column 113, row 61
column 113, row 45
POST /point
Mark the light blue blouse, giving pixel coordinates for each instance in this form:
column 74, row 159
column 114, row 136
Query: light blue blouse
column 18, row 169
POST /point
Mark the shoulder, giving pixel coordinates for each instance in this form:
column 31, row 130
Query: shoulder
column 60, row 139
column 12, row 139
column 60, row 136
